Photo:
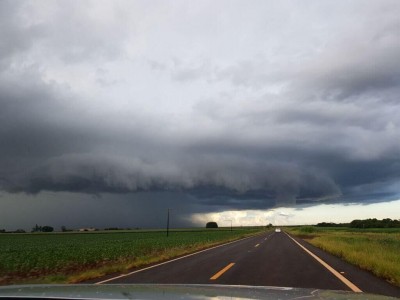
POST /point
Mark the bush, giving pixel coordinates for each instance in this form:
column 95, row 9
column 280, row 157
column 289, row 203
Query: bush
column 212, row 225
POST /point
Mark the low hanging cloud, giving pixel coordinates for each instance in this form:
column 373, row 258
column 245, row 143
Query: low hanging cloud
column 297, row 113
column 218, row 178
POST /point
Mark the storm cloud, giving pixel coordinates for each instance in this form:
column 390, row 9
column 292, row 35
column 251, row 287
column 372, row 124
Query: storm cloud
column 218, row 105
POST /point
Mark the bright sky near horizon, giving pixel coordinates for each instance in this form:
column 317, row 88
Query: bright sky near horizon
column 302, row 216
column 113, row 111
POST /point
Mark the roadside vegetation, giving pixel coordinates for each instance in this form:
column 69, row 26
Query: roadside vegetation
column 73, row 257
column 374, row 249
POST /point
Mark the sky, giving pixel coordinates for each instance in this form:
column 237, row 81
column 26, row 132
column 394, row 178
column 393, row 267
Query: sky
column 111, row 112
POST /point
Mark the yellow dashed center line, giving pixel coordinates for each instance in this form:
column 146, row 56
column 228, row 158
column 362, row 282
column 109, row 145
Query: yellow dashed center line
column 217, row 275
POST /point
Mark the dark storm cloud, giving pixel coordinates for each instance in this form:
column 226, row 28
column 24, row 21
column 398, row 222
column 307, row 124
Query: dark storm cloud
column 216, row 177
column 264, row 132
column 253, row 176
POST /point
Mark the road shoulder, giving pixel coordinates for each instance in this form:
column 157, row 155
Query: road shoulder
column 365, row 280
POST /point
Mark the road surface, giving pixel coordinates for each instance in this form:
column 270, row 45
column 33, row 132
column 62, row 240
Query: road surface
column 268, row 259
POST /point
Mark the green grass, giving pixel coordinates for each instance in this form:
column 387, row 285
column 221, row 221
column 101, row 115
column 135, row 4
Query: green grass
column 376, row 250
column 72, row 257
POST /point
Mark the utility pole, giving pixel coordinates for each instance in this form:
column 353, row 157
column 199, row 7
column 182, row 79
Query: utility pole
column 168, row 222
column 231, row 224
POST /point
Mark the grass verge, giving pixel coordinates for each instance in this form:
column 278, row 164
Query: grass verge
column 377, row 251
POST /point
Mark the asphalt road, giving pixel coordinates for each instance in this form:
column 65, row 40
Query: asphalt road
column 269, row 259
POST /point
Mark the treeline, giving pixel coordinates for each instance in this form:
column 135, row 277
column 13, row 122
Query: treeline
column 374, row 223
column 331, row 224
column 366, row 223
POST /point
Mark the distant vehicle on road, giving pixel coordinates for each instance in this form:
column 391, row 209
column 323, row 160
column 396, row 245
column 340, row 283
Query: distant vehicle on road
column 277, row 230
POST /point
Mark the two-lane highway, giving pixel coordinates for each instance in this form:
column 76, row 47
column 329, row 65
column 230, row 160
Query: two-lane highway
column 269, row 259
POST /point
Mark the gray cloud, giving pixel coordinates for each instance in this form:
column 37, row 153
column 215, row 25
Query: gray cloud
column 124, row 100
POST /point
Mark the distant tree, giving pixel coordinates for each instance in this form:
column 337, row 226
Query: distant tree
column 212, row 225
column 2, row 230
column 64, row 229
column 19, row 231
column 47, row 229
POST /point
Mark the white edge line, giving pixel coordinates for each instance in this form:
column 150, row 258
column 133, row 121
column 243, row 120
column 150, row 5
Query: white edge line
column 347, row 282
column 172, row 260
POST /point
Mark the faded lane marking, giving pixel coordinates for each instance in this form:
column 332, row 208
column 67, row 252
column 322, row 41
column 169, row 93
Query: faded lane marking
column 257, row 245
column 347, row 282
column 217, row 275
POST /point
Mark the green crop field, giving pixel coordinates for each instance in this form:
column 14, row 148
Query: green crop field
column 375, row 249
column 71, row 257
